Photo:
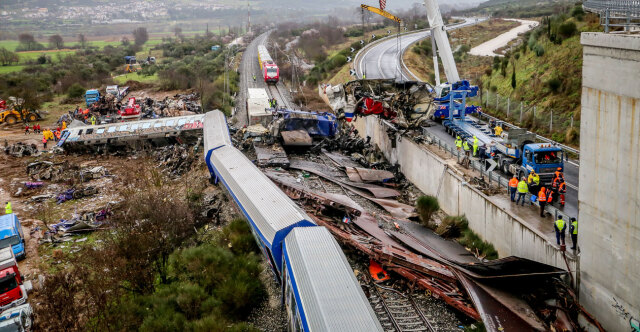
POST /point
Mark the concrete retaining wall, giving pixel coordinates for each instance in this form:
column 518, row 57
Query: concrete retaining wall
column 609, row 197
column 427, row 171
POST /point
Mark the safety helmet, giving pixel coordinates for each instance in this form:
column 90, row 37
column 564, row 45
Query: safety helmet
column 559, row 168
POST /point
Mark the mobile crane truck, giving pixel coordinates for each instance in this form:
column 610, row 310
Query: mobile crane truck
column 516, row 152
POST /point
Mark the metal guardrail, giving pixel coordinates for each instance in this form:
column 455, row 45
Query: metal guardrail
column 615, row 13
column 494, row 177
column 615, row 7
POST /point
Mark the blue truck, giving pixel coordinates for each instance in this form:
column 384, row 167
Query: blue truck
column 11, row 235
column 514, row 152
column 91, row 96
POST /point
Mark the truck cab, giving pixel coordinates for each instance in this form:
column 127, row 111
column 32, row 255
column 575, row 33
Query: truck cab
column 11, row 235
column 91, row 96
column 544, row 159
column 113, row 89
column 13, row 291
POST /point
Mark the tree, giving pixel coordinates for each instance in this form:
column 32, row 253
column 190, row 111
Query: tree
column 125, row 41
column 7, row 57
column 177, row 31
column 82, row 40
column 56, row 41
column 27, row 40
column 140, row 36
column 513, row 77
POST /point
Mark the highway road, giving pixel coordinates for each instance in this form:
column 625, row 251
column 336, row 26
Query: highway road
column 382, row 60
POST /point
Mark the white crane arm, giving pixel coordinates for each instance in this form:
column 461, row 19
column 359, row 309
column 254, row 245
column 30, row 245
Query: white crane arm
column 442, row 41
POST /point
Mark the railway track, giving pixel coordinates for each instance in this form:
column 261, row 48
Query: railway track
column 398, row 312
column 275, row 91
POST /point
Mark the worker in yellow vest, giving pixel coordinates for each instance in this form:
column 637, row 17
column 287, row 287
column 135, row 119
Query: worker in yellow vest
column 573, row 229
column 465, row 146
column 475, row 146
column 7, row 208
column 459, row 143
column 523, row 189
column 560, row 226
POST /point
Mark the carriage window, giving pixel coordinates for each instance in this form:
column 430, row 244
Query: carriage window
column 80, row 132
column 111, row 129
column 135, row 126
column 146, row 125
column 123, row 128
column 100, row 131
column 89, row 131
column 157, row 125
column 182, row 122
column 170, row 123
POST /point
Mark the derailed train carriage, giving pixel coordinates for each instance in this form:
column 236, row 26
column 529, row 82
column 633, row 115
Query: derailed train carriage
column 320, row 291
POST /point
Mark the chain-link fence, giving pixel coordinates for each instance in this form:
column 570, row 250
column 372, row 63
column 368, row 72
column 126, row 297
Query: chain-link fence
column 551, row 123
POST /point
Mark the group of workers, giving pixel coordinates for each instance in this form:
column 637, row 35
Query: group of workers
column 464, row 145
column 273, row 103
column 545, row 196
column 53, row 135
column 35, row 128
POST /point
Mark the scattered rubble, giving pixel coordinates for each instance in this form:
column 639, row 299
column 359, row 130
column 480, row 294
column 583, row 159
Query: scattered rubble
column 79, row 223
column 177, row 159
column 63, row 172
column 20, row 149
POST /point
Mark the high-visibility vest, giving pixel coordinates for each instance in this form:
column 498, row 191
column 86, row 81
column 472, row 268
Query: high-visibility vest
column 8, row 209
column 542, row 196
column 522, row 187
column 465, row 145
column 458, row 142
column 563, row 188
column 575, row 226
column 560, row 224
column 475, row 142
column 534, row 178
column 513, row 183
column 549, row 195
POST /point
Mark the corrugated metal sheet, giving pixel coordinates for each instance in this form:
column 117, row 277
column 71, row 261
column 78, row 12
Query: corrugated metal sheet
column 329, row 292
column 216, row 131
column 269, row 209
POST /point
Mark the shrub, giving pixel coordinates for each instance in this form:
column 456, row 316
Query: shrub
column 75, row 91
column 488, row 71
column 452, row 227
column 338, row 61
column 554, row 84
column 483, row 248
column 427, row 206
column 572, row 135
column 567, row 29
column 539, row 49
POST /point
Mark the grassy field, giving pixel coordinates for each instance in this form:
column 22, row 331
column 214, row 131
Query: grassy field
column 122, row 79
column 32, row 56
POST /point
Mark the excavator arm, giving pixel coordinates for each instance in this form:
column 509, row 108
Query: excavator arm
column 382, row 13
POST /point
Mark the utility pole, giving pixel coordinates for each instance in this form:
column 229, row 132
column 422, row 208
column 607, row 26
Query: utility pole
column 249, row 17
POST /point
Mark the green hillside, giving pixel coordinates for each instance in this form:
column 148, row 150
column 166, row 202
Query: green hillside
column 547, row 64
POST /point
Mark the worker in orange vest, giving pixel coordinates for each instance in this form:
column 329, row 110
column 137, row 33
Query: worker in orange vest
column 549, row 194
column 562, row 189
column 558, row 174
column 542, row 200
column 44, row 142
column 513, row 185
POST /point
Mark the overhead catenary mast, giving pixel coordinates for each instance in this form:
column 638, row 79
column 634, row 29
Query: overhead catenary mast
column 249, row 17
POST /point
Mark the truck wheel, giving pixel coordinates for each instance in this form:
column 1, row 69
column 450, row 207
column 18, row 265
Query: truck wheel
column 505, row 167
column 32, row 117
column 11, row 119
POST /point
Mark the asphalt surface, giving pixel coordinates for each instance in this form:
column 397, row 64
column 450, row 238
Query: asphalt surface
column 382, row 60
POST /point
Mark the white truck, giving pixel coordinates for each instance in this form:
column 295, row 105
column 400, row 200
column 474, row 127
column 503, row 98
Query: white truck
column 16, row 319
column 258, row 107
column 117, row 91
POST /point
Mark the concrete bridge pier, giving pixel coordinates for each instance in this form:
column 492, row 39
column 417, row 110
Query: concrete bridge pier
column 609, row 196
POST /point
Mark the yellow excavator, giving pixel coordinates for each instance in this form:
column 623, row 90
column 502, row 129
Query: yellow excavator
column 15, row 112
